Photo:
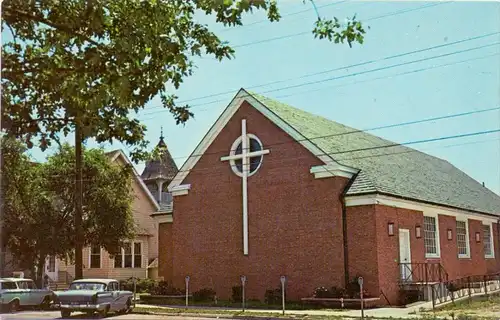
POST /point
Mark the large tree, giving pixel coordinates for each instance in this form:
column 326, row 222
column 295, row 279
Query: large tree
column 88, row 65
column 40, row 210
column 28, row 209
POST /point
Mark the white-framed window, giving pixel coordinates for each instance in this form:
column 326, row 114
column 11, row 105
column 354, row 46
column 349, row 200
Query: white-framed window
column 489, row 251
column 129, row 256
column 431, row 237
column 95, row 257
column 462, row 235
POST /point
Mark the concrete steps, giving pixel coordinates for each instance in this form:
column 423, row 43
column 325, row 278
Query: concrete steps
column 60, row 285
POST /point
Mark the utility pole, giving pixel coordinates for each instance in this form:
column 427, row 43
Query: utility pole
column 2, row 217
column 78, row 200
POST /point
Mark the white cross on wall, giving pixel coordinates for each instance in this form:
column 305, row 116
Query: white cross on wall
column 245, row 157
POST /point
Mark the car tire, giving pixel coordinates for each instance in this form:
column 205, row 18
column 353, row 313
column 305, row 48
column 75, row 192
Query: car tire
column 128, row 307
column 103, row 313
column 65, row 314
column 14, row 306
column 45, row 305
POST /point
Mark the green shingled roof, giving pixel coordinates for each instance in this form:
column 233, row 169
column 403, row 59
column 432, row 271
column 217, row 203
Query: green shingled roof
column 398, row 170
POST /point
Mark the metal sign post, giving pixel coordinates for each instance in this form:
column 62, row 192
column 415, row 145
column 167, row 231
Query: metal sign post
column 243, row 281
column 360, row 282
column 187, row 291
column 283, row 281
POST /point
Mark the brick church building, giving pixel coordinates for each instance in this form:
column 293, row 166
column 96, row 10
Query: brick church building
column 272, row 190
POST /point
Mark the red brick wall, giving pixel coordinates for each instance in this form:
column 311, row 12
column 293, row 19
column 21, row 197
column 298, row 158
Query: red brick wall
column 165, row 254
column 477, row 264
column 493, row 265
column 361, row 241
column 388, row 246
column 295, row 225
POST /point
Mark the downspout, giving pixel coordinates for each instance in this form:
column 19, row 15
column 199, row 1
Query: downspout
column 344, row 227
column 497, row 244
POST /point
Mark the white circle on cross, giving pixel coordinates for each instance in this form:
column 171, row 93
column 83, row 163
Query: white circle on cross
column 233, row 150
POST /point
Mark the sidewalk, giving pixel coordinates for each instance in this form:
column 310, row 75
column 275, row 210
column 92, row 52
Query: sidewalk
column 407, row 313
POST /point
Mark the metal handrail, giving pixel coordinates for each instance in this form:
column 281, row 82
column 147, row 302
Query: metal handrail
column 422, row 272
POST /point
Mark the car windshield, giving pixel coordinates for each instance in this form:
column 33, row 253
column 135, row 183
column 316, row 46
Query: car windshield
column 87, row 286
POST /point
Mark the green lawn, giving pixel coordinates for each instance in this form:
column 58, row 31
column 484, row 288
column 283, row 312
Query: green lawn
column 490, row 303
column 476, row 308
column 228, row 313
column 252, row 304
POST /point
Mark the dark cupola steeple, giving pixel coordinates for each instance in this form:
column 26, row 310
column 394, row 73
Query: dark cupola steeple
column 158, row 173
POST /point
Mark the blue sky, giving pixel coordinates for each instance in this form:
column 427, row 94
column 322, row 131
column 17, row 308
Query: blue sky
column 370, row 99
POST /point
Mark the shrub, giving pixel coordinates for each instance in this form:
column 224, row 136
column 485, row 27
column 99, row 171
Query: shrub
column 351, row 291
column 163, row 288
column 333, row 292
column 273, row 296
column 237, row 295
column 141, row 285
column 204, row 295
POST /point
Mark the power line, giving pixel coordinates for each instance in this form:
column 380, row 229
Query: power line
column 399, row 55
column 462, row 114
column 210, row 172
column 386, row 77
column 351, row 151
column 353, row 65
column 366, row 20
column 414, row 150
column 282, row 16
column 349, row 75
column 374, row 79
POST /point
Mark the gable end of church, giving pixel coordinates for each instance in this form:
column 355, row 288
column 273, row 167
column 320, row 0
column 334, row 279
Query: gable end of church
column 328, row 167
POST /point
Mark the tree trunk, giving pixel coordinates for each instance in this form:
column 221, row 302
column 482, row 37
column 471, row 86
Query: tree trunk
column 40, row 270
column 2, row 244
column 78, row 202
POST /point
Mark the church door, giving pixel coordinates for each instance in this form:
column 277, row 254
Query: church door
column 405, row 254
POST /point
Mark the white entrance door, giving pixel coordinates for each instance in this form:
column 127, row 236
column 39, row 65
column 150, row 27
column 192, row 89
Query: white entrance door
column 405, row 254
column 51, row 267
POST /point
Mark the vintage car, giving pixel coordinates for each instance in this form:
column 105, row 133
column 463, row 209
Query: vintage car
column 16, row 293
column 93, row 295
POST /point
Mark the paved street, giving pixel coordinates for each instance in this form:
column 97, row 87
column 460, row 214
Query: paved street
column 31, row 315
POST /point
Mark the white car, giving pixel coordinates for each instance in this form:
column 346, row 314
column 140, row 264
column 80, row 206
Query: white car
column 16, row 293
column 93, row 295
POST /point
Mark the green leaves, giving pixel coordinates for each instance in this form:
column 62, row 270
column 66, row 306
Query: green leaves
column 106, row 59
column 42, row 195
column 332, row 30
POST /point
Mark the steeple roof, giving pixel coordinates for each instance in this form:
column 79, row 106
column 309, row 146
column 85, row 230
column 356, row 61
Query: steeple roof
column 163, row 168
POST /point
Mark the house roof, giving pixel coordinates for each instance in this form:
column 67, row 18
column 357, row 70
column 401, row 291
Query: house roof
column 379, row 166
column 163, row 168
column 396, row 170
column 114, row 154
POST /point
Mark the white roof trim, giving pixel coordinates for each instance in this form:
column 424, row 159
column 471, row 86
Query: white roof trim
column 137, row 176
column 163, row 218
column 228, row 113
column 427, row 209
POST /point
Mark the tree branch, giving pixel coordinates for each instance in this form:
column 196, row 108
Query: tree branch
column 49, row 23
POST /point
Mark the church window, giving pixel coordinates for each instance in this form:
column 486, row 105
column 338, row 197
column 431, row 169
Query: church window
column 462, row 239
column 254, row 162
column 487, row 241
column 430, row 236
